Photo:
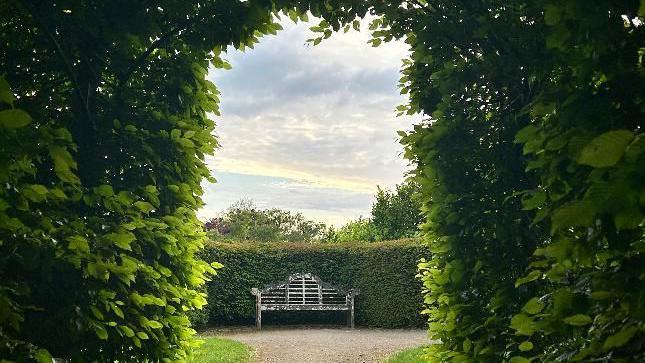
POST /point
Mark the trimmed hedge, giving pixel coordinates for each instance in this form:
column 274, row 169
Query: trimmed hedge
column 390, row 294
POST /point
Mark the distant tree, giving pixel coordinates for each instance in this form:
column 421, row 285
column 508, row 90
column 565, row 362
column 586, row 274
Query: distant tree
column 217, row 225
column 244, row 221
column 396, row 213
column 360, row 230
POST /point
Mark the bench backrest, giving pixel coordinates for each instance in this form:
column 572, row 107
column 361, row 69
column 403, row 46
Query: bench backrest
column 303, row 289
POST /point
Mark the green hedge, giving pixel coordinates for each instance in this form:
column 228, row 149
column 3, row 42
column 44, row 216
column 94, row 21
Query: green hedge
column 383, row 271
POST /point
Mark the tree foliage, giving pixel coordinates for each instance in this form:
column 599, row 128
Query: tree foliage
column 531, row 169
column 397, row 213
column 104, row 118
column 103, row 131
column 359, row 230
column 243, row 221
column 531, row 166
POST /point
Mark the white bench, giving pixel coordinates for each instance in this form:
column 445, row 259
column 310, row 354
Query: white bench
column 303, row 291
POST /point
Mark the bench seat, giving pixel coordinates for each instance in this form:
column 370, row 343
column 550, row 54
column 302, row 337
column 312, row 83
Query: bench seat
column 292, row 307
column 303, row 292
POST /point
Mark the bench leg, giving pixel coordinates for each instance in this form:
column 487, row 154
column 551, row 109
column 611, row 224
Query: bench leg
column 258, row 312
column 350, row 313
column 258, row 320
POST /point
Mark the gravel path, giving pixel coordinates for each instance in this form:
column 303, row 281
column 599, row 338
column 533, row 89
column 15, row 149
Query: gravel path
column 326, row 344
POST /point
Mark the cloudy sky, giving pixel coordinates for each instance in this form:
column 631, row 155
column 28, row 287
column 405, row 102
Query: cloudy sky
column 308, row 129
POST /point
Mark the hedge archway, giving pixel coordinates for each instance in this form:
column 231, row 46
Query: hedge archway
column 531, row 163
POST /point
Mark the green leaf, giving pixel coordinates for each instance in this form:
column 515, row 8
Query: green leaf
column 619, row 339
column 142, row 335
column 467, row 345
column 63, row 163
column 526, row 346
column 97, row 313
column 97, row 270
column 35, row 192
column 535, row 199
column 532, row 276
column 293, row 16
column 523, row 324
column 6, row 95
column 519, row 359
column 606, row 149
column 117, row 310
column 43, row 356
column 14, row 119
column 58, row 193
column 186, row 143
column 574, row 214
column 155, row 324
column 126, row 330
column 635, row 149
column 100, row 332
column 578, row 320
column 122, row 239
column 526, row 134
column 104, row 190
column 533, row 306
column 144, row 206
column 78, row 243
column 40, row 189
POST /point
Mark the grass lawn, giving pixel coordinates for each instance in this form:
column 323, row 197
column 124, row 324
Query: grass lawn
column 412, row 355
column 219, row 350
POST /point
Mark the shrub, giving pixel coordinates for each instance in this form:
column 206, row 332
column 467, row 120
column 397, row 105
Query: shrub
column 397, row 213
column 383, row 271
column 103, row 133
column 531, row 167
column 354, row 231
column 243, row 221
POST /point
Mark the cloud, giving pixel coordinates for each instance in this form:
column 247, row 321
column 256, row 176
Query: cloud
column 318, row 118
column 326, row 204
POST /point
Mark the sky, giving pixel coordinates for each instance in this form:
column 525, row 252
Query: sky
column 310, row 129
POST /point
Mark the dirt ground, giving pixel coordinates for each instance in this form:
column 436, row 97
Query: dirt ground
column 311, row 344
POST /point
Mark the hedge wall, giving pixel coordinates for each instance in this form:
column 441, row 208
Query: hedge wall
column 383, row 271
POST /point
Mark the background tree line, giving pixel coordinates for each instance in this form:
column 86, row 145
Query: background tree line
column 395, row 214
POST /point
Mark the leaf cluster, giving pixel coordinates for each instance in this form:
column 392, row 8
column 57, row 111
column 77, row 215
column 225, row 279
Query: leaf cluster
column 243, row 221
column 104, row 124
column 531, row 167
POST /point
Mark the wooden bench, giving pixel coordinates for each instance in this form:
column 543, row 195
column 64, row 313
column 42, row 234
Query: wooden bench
column 303, row 291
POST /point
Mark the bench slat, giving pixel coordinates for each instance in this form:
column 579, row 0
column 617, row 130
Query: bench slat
column 312, row 307
column 304, row 292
